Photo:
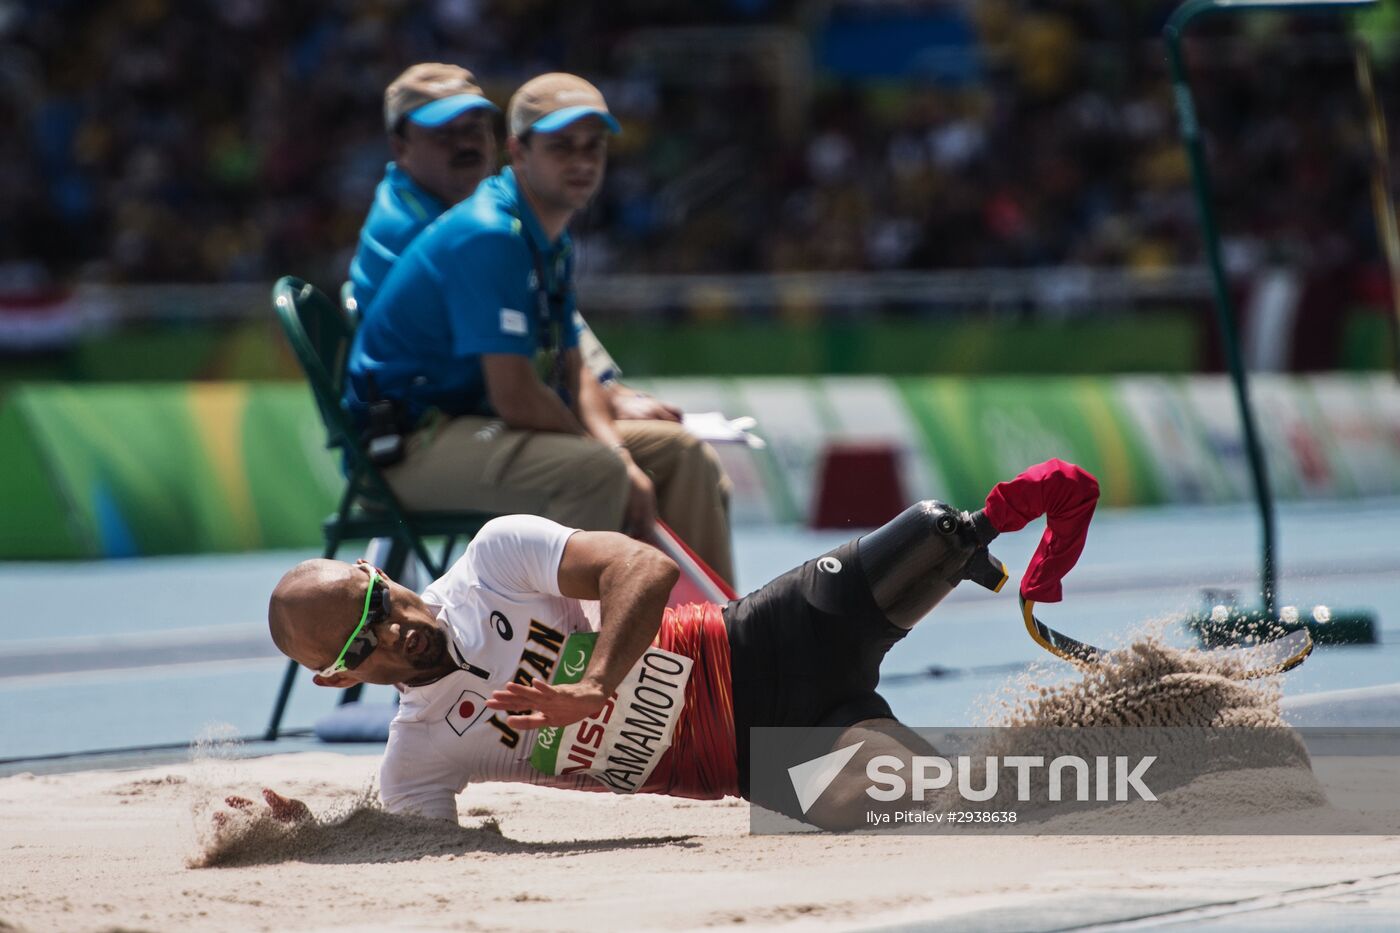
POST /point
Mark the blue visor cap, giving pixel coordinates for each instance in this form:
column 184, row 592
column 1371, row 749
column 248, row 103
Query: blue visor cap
column 562, row 118
column 447, row 109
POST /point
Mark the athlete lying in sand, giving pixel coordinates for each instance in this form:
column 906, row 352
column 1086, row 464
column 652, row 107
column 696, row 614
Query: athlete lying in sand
column 473, row 654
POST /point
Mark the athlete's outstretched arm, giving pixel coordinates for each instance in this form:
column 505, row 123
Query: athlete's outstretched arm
column 632, row 581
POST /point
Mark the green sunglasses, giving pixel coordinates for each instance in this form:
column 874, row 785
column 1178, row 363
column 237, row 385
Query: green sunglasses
column 362, row 642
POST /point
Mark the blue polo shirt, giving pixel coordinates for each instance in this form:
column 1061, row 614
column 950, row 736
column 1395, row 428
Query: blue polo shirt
column 401, row 211
column 467, row 285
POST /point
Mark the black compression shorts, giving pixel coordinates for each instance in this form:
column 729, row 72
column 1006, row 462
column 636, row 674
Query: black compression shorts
column 806, row 649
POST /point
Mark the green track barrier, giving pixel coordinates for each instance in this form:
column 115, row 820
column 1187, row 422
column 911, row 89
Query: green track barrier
column 124, row 469
column 976, row 429
column 128, row 469
column 35, row 519
column 254, row 350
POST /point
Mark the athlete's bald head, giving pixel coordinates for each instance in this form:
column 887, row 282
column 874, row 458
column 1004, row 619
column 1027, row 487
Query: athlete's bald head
column 313, row 609
column 318, row 604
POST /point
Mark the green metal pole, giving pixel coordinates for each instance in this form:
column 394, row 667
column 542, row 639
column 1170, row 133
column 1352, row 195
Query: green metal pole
column 1224, row 306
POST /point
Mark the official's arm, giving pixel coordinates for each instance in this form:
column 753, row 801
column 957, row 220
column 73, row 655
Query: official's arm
column 595, row 412
column 592, row 406
column 521, row 399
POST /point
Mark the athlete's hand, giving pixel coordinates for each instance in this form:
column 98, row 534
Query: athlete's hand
column 563, row 705
column 641, row 503
column 628, row 405
column 283, row 809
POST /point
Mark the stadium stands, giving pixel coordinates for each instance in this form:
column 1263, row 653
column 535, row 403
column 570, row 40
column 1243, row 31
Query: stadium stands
column 163, row 141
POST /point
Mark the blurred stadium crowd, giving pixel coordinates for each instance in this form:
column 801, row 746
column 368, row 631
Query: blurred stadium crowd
column 234, row 140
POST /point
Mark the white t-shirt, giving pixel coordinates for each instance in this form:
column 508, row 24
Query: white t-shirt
column 504, row 616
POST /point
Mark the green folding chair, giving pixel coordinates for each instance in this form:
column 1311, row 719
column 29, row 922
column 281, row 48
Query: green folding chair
column 350, row 303
column 320, row 333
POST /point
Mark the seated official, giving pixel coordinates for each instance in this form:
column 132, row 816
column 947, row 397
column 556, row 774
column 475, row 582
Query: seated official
column 444, row 145
column 473, row 341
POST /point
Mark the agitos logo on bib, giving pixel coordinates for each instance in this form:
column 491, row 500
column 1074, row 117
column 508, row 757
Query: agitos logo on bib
column 621, row 745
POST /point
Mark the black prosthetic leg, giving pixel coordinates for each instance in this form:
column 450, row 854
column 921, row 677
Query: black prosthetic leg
column 915, row 559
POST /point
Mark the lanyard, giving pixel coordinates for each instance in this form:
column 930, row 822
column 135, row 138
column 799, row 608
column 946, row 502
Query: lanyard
column 549, row 314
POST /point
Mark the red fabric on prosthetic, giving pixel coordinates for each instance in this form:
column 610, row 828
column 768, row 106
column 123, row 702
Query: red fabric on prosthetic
column 1066, row 495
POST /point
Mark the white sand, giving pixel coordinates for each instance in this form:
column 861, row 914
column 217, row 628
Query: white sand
column 111, row 850
column 144, row 850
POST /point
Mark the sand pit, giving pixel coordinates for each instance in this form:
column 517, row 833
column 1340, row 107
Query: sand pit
column 1226, row 756
column 1148, row 683
column 140, row 850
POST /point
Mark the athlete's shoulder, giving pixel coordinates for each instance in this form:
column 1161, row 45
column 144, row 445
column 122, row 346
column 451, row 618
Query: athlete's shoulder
column 520, row 527
column 519, row 554
column 507, row 548
column 510, row 536
column 504, row 539
column 451, row 588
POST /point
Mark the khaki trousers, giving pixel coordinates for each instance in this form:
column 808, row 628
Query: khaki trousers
column 478, row 464
column 692, row 491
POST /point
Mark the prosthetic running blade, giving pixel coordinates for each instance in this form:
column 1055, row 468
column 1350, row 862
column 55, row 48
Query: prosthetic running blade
column 1258, row 660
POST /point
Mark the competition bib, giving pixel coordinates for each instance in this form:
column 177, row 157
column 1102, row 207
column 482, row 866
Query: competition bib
column 621, row 745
